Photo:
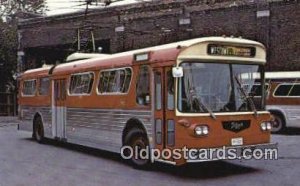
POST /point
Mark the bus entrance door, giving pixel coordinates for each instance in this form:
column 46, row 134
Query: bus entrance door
column 164, row 109
column 59, row 109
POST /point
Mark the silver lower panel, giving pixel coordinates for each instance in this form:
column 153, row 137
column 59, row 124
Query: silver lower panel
column 98, row 128
column 290, row 112
column 101, row 128
column 28, row 113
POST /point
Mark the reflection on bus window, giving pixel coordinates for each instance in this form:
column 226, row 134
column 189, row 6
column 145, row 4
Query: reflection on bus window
column 170, row 84
column 29, row 87
column 44, row 86
column 142, row 87
column 217, row 87
column 114, row 81
column 158, row 89
column 81, row 83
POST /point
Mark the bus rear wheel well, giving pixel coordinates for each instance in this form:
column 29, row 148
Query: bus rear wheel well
column 37, row 124
column 131, row 124
column 36, row 116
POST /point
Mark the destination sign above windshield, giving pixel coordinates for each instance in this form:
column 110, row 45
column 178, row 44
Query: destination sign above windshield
column 226, row 50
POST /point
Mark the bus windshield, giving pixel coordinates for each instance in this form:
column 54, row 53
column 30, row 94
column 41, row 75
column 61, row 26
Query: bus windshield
column 218, row 87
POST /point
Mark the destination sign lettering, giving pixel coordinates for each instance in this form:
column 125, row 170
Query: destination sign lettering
column 225, row 50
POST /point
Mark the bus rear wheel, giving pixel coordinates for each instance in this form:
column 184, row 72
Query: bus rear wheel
column 137, row 140
column 38, row 130
column 278, row 124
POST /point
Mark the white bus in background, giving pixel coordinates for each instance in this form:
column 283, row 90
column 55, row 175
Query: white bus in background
column 283, row 98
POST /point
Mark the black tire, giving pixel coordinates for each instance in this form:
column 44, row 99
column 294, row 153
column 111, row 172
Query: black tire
column 278, row 124
column 137, row 138
column 38, row 130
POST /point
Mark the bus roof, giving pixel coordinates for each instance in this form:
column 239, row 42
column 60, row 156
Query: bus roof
column 283, row 75
column 167, row 52
column 81, row 56
column 33, row 73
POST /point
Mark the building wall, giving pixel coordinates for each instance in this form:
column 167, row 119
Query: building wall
column 275, row 23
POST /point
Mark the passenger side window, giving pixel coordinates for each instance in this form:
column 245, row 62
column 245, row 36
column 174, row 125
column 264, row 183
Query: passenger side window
column 29, row 88
column 287, row 90
column 44, row 86
column 81, row 83
column 114, row 81
column 283, row 90
column 143, row 86
column 295, row 90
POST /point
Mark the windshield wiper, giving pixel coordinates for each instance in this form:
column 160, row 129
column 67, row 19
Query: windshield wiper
column 252, row 105
column 202, row 105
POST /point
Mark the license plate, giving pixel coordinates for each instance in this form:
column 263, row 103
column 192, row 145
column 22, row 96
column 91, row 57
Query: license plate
column 236, row 141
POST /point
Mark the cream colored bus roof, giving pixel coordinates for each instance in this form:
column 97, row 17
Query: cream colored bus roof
column 283, row 75
column 46, row 67
column 185, row 44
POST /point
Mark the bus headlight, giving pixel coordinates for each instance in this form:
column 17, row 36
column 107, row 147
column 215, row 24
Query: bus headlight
column 266, row 125
column 201, row 130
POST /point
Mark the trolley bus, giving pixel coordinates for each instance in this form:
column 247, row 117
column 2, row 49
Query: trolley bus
column 184, row 94
column 283, row 93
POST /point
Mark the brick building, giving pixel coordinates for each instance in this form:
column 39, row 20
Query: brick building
column 275, row 23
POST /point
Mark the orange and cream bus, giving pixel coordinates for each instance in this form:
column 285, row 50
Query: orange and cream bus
column 282, row 100
column 183, row 94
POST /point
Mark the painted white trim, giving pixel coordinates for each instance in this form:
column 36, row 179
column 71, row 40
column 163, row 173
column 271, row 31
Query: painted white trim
column 219, row 114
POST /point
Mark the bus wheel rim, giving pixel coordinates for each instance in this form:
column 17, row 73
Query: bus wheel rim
column 138, row 144
column 277, row 125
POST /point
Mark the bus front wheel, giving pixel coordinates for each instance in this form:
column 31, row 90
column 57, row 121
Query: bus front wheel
column 38, row 130
column 138, row 141
column 278, row 124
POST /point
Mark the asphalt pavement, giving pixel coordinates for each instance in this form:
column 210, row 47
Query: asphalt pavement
column 25, row 162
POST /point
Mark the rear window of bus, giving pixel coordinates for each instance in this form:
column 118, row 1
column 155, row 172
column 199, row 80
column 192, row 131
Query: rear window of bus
column 29, row 87
column 287, row 90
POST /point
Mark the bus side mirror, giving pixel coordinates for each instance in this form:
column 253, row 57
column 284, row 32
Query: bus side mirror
column 177, row 72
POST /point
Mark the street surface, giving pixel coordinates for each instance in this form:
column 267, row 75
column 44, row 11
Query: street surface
column 25, row 162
